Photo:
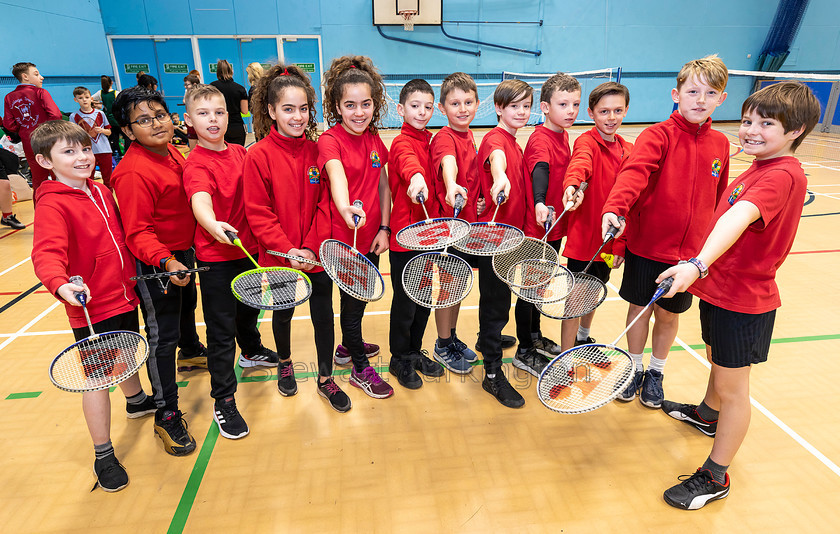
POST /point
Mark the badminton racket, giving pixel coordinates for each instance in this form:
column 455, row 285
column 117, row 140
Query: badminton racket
column 438, row 279
column 269, row 288
column 432, row 234
column 98, row 361
column 588, row 292
column 351, row 271
column 491, row 238
column 587, row 377
column 166, row 274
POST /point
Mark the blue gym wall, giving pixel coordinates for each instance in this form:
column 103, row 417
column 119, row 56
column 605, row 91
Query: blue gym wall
column 644, row 37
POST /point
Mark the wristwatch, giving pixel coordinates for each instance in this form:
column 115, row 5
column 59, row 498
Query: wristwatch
column 704, row 271
column 386, row 228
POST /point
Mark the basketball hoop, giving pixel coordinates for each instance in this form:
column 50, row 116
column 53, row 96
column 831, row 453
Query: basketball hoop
column 408, row 16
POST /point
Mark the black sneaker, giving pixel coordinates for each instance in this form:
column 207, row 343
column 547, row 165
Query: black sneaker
column 425, row 365
column 633, row 388
column 192, row 362
column 402, row 368
column 110, row 474
column 264, row 357
column 651, row 393
column 12, row 221
column 339, row 400
column 136, row 411
column 530, row 361
column 547, row 347
column 172, row 430
column 499, row 387
column 230, row 421
column 507, row 342
column 696, row 490
column 286, row 384
column 587, row 341
column 687, row 413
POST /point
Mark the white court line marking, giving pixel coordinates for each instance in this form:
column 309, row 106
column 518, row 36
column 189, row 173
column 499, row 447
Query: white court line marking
column 28, row 325
column 825, row 195
column 760, row 407
column 18, row 264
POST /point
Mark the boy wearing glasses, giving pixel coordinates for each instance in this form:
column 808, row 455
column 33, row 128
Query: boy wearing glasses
column 159, row 228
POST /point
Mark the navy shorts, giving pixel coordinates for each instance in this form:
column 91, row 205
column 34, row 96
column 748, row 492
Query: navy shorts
column 737, row 339
column 639, row 284
column 598, row 269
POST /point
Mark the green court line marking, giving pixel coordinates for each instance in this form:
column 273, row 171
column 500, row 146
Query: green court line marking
column 24, row 395
column 179, row 519
column 183, row 383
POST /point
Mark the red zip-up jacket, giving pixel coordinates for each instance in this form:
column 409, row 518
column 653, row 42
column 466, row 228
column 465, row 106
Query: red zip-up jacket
column 287, row 197
column 27, row 107
column 595, row 163
column 409, row 155
column 669, row 187
column 77, row 233
column 155, row 211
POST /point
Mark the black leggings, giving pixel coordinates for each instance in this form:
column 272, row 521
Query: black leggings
column 352, row 312
column 527, row 323
column 321, row 312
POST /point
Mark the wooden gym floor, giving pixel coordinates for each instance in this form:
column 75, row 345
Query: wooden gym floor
column 447, row 457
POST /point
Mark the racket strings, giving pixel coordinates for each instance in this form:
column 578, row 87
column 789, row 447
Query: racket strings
column 529, row 248
column 488, row 239
column 584, row 378
column 585, row 295
column 433, row 234
column 99, row 361
column 436, row 280
column 271, row 288
column 353, row 273
column 555, row 289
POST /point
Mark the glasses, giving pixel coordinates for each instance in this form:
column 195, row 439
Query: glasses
column 146, row 122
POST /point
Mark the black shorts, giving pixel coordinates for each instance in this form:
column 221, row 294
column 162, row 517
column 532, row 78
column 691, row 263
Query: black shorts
column 639, row 284
column 737, row 339
column 598, row 269
column 9, row 164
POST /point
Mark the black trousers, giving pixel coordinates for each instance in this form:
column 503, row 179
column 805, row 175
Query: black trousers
column 321, row 312
column 228, row 321
column 170, row 323
column 493, row 313
column 236, row 133
column 350, row 318
column 408, row 319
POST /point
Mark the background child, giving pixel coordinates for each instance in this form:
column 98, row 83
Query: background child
column 9, row 164
column 750, row 236
column 77, row 221
column 159, row 228
column 354, row 158
column 410, row 165
column 501, row 168
column 213, row 182
column 597, row 156
column 95, row 123
column 452, row 152
column 25, row 108
column 667, row 190
column 289, row 210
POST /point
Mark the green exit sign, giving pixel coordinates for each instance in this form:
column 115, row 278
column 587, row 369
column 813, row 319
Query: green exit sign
column 306, row 67
column 176, row 68
column 134, row 68
column 213, row 67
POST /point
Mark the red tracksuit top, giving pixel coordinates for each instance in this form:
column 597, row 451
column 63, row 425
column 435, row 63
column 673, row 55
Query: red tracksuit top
column 77, row 233
column 409, row 155
column 288, row 200
column 156, row 213
column 461, row 145
column 553, row 148
column 26, row 107
column 363, row 158
column 220, row 175
column 519, row 207
column 595, row 162
column 669, row 187
column 743, row 279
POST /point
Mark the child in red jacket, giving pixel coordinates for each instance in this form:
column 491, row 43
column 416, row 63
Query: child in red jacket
column 667, row 190
column 78, row 232
column 410, row 166
column 288, row 211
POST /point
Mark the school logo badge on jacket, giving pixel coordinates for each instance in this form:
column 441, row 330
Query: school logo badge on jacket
column 736, row 193
column 314, row 175
column 375, row 162
column 716, row 167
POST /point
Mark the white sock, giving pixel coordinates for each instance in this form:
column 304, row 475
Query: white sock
column 637, row 361
column 583, row 333
column 656, row 364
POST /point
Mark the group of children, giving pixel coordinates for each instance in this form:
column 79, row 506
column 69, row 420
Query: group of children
column 299, row 190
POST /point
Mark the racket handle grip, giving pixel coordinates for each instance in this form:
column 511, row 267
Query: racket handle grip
column 459, row 204
column 501, row 198
column 663, row 287
column 231, row 236
column 356, row 218
column 80, row 296
column 420, row 198
column 612, row 230
column 583, row 187
column 549, row 219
